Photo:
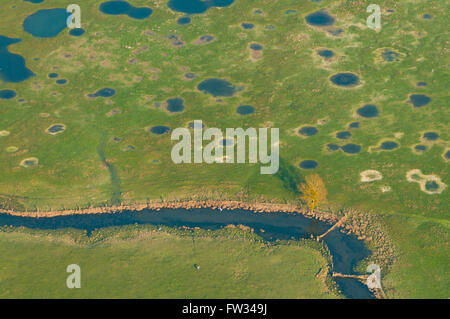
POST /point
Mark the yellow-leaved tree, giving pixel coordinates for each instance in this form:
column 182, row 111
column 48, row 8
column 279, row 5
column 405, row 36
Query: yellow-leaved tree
column 313, row 191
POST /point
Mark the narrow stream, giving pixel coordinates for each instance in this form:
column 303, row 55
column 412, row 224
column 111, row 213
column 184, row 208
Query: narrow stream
column 346, row 250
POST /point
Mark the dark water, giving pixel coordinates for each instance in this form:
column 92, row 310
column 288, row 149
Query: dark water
column 327, row 54
column 345, row 79
column 308, row 131
column 248, row 26
column 389, row 145
column 61, row 81
column 196, row 6
column 431, row 136
column 354, row 125
column 332, row 147
column 447, row 155
column 343, row 135
column 256, row 46
column 308, row 164
column 123, row 7
column 319, row 19
column 34, row 1
column 184, row 20
column 76, row 32
column 421, row 148
column 421, row 83
column 368, row 111
column 159, row 130
column 175, row 105
column 105, row 92
column 53, row 75
column 7, row 94
column 390, row 56
column 245, row 109
column 217, row 87
column 12, row 66
column 419, row 100
column 46, row 23
column 427, row 16
column 346, row 250
column 56, row 128
column 431, row 186
column 351, row 148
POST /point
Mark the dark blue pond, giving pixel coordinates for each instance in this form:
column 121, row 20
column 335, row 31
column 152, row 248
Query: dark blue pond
column 319, row 19
column 106, row 92
column 431, row 186
column 248, row 26
column 343, row 135
column 53, row 75
column 184, row 20
column 332, row 147
column 351, row 148
column 427, row 16
column 175, row 105
column 57, row 128
column 46, row 23
column 390, row 56
column 308, row 130
column 421, row 84
column 419, row 100
column 7, row 94
column 308, row 164
column 420, row 148
column 447, row 155
column 123, row 7
column 368, row 111
column 345, row 79
column 61, row 81
column 76, row 32
column 160, row 130
column 196, row 6
column 431, row 136
column 34, row 1
column 217, row 87
column 245, row 109
column 327, row 54
column 346, row 250
column 12, row 66
column 389, row 145
column 256, row 46
column 354, row 125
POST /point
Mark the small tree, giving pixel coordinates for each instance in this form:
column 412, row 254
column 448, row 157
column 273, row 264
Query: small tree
column 313, row 191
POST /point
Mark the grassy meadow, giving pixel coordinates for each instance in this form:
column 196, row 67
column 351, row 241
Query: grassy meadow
column 288, row 86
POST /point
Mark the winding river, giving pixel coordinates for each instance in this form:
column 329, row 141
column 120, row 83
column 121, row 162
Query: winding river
column 346, row 250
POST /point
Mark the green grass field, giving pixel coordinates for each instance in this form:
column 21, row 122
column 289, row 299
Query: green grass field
column 146, row 263
column 289, row 87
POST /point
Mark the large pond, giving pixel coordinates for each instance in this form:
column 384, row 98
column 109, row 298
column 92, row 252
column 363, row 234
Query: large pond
column 346, row 250
column 196, row 6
